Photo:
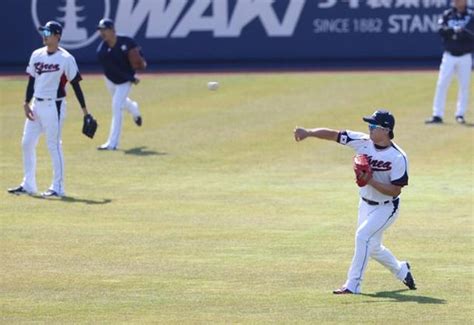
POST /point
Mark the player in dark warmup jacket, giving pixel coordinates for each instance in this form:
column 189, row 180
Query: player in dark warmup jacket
column 119, row 77
column 456, row 28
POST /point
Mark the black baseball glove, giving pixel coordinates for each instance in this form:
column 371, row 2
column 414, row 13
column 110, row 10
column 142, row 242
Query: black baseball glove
column 90, row 126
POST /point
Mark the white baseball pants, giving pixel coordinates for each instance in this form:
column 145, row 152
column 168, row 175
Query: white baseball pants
column 49, row 119
column 373, row 220
column 450, row 65
column 120, row 101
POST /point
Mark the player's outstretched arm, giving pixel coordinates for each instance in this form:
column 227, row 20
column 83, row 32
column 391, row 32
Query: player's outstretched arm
column 320, row 133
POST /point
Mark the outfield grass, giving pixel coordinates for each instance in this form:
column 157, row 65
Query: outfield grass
column 212, row 213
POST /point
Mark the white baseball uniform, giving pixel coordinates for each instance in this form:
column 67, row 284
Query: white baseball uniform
column 377, row 211
column 51, row 73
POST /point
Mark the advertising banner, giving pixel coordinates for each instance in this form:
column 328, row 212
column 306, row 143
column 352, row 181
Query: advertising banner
column 234, row 30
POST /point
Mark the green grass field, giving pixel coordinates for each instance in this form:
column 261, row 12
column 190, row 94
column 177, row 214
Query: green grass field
column 212, row 213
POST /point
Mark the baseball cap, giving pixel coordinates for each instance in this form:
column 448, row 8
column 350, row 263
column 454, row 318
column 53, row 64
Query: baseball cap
column 105, row 23
column 383, row 118
column 53, row 26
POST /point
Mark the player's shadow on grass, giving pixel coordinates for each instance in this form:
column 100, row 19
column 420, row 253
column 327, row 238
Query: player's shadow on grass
column 143, row 151
column 71, row 199
column 397, row 295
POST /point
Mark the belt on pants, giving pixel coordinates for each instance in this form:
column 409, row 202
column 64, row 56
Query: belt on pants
column 48, row 99
column 370, row 202
column 455, row 53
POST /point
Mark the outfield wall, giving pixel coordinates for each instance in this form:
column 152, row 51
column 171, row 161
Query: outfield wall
column 234, row 30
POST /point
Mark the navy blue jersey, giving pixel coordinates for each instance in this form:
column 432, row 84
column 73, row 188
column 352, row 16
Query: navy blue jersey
column 462, row 42
column 115, row 60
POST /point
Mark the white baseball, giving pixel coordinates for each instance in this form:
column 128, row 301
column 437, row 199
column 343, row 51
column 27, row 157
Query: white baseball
column 212, row 85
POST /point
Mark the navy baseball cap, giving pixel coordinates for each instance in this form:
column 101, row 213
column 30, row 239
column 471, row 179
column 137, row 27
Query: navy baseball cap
column 105, row 23
column 53, row 26
column 383, row 118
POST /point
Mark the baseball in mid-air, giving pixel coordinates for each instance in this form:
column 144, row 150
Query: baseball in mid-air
column 212, row 85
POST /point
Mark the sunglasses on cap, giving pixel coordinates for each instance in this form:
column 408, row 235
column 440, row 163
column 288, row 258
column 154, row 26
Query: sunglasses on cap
column 375, row 126
column 46, row 32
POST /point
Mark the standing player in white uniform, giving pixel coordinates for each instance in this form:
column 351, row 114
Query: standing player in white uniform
column 49, row 69
column 457, row 30
column 379, row 200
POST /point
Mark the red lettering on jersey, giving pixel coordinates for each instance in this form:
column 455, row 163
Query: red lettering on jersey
column 41, row 67
column 379, row 165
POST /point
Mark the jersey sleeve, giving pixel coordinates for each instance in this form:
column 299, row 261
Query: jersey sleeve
column 352, row 139
column 399, row 173
column 30, row 69
column 71, row 70
column 131, row 44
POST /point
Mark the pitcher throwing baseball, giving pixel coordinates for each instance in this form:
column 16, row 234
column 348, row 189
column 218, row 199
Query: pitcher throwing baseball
column 50, row 68
column 381, row 180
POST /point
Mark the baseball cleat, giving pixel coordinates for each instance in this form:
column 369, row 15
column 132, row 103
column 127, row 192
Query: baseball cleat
column 342, row 291
column 434, row 120
column 138, row 120
column 409, row 280
column 105, row 147
column 460, row 119
column 18, row 190
column 50, row 193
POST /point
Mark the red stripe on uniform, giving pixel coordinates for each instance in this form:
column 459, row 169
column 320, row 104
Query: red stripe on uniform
column 62, row 86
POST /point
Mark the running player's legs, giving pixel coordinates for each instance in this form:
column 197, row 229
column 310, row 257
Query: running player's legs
column 385, row 257
column 53, row 116
column 464, row 77
column 445, row 76
column 110, row 86
column 378, row 218
column 132, row 107
column 31, row 134
column 118, row 103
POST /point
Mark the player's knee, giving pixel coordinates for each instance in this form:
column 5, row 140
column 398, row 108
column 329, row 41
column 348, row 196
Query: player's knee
column 443, row 82
column 118, row 104
column 375, row 248
column 361, row 238
column 27, row 143
column 54, row 147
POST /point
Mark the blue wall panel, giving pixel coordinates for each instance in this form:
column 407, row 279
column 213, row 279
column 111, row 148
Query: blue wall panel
column 213, row 30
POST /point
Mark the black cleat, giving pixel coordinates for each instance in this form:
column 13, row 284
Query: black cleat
column 18, row 190
column 106, row 147
column 50, row 193
column 138, row 120
column 460, row 119
column 409, row 280
column 434, row 120
column 342, row 291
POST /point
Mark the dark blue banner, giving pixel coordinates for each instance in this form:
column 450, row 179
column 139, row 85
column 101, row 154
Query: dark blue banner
column 213, row 30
